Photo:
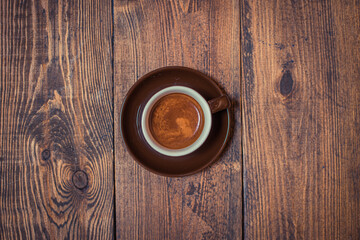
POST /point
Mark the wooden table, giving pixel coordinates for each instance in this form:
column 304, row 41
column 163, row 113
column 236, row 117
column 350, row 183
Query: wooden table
column 291, row 170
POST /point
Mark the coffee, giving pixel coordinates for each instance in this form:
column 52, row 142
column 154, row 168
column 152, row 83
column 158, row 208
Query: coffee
column 176, row 121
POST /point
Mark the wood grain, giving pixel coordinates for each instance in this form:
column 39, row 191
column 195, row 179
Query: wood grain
column 301, row 119
column 56, row 113
column 204, row 35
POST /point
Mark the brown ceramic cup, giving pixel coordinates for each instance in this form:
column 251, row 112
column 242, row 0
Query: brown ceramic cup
column 207, row 108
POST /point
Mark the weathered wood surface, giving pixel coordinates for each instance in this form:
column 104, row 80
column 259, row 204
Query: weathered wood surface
column 292, row 69
column 56, row 115
column 204, row 35
column 301, row 119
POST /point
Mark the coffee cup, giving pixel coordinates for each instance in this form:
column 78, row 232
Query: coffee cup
column 177, row 120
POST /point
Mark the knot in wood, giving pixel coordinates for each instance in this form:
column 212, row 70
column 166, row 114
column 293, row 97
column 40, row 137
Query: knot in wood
column 286, row 83
column 46, row 154
column 80, row 179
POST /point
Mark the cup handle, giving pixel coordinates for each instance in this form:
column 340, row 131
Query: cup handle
column 220, row 103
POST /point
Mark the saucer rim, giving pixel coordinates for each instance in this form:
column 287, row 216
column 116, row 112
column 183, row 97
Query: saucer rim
column 214, row 159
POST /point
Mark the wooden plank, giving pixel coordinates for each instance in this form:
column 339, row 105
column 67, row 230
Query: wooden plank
column 56, row 132
column 301, row 119
column 204, row 35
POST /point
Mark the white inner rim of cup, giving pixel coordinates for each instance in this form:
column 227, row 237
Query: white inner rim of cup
column 183, row 151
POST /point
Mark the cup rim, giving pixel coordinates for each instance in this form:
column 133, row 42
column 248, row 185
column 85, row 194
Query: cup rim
column 199, row 141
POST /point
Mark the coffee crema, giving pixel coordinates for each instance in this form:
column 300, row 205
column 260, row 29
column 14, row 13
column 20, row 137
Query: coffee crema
column 176, row 121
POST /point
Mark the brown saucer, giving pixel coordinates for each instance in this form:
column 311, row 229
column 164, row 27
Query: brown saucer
column 130, row 121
